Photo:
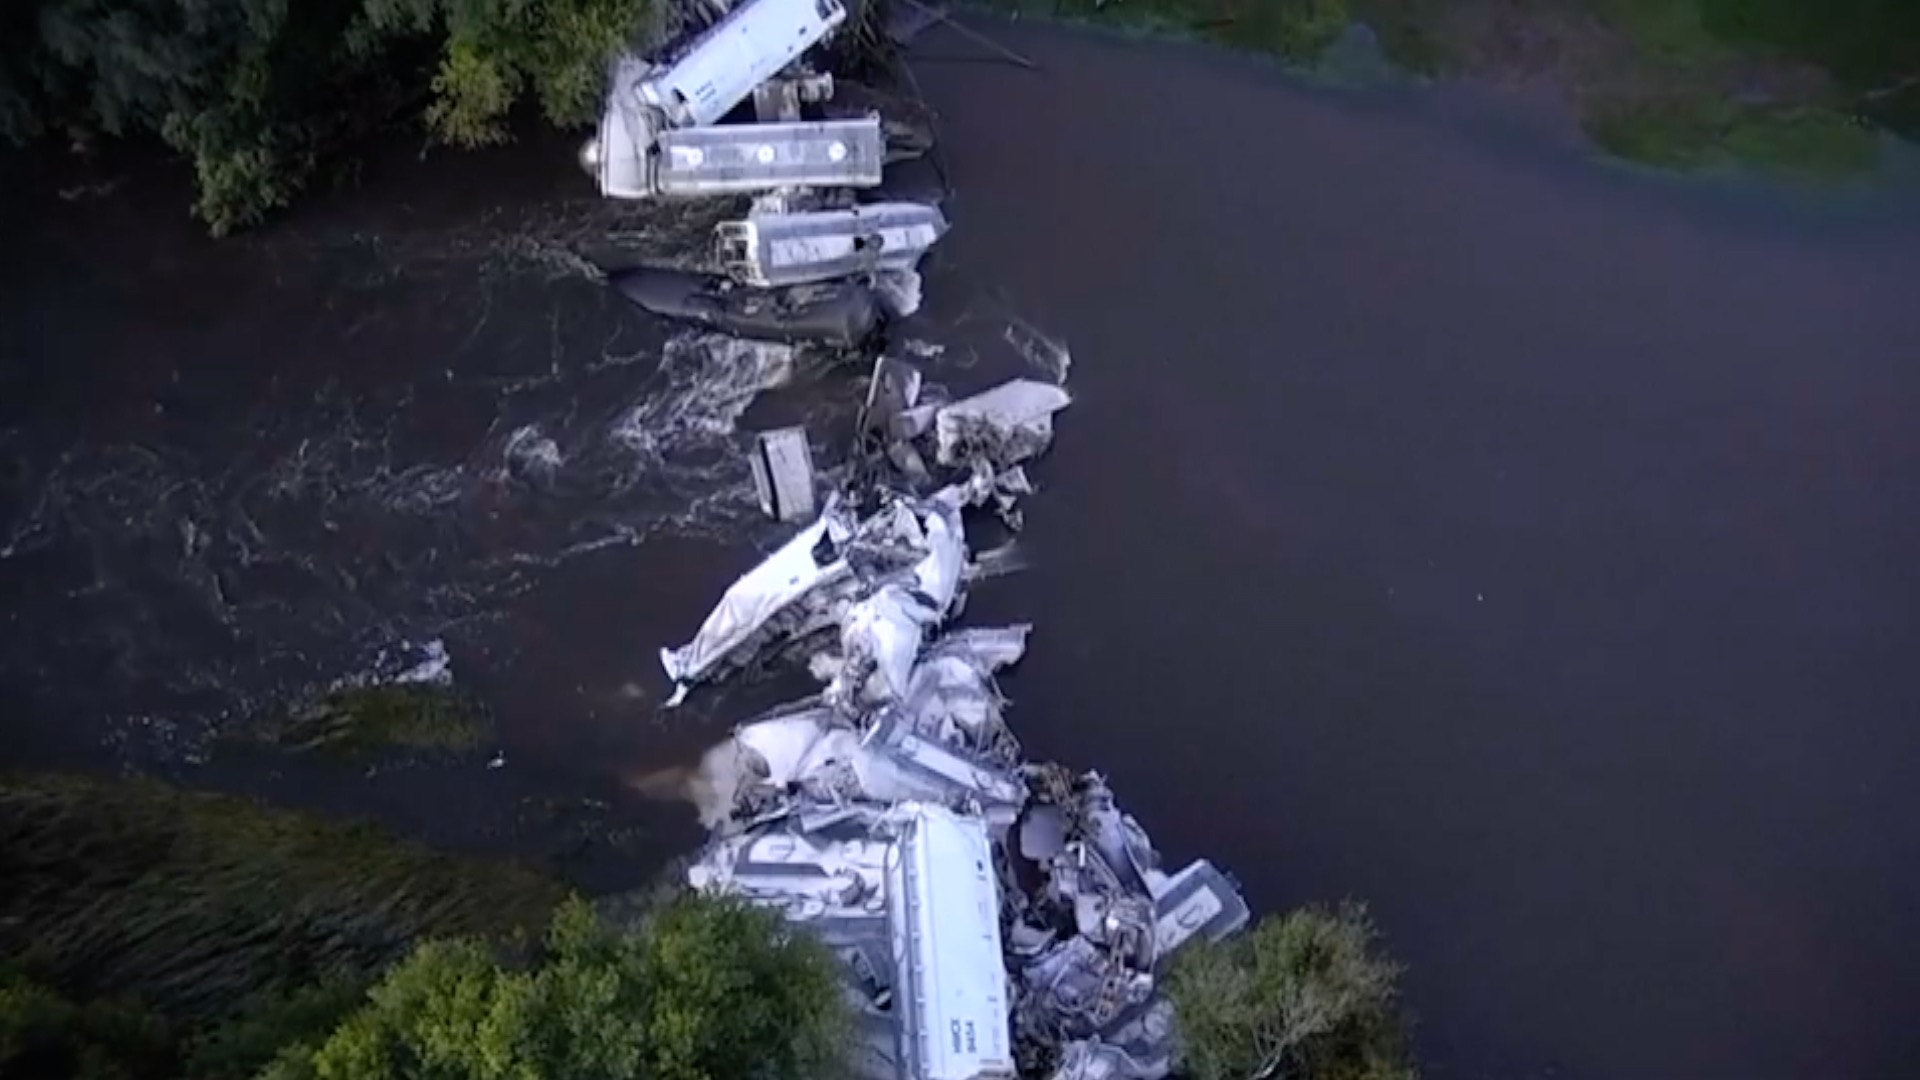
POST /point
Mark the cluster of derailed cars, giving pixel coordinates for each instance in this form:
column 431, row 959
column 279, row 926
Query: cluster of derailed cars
column 997, row 917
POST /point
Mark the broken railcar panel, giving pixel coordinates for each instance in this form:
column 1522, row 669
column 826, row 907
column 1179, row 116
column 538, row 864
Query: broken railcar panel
column 818, row 245
column 892, row 389
column 1138, row 1046
column 905, row 765
column 813, row 580
column 741, row 158
column 882, row 633
column 788, row 578
column 1198, row 902
column 907, row 122
column 620, row 156
column 1080, row 988
column 778, row 100
column 782, row 464
column 703, row 80
column 946, row 933
column 1005, row 425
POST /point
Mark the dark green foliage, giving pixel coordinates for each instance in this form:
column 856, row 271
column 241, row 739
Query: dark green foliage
column 256, row 92
column 1691, row 133
column 43, row 1034
column 241, row 1046
column 1305, row 996
column 1871, row 46
column 1295, row 30
column 367, row 721
column 1865, row 42
column 706, row 989
column 198, row 904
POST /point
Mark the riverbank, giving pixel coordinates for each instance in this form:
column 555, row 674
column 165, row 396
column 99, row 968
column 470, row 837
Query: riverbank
column 1679, row 84
column 148, row 932
column 195, row 902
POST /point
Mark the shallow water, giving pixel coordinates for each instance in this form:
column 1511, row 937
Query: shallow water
column 1519, row 544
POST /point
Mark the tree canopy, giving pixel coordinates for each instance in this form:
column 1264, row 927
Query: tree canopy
column 257, row 92
column 1306, row 996
column 707, row 988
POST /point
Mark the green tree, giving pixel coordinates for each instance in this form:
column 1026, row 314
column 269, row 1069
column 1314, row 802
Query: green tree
column 239, row 1047
column 1305, row 996
column 257, row 92
column 706, row 989
column 43, row 1034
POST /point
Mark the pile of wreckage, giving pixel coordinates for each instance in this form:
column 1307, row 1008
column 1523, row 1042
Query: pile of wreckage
column 997, row 918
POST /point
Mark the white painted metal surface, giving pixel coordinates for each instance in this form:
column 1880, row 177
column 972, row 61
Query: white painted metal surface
column 782, row 464
column 698, row 85
column 944, row 905
column 724, row 63
column 742, row 158
column 771, row 250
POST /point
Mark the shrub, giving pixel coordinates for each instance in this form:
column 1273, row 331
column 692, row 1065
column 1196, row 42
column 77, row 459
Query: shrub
column 706, row 989
column 43, row 1034
column 1303, row 996
column 256, row 92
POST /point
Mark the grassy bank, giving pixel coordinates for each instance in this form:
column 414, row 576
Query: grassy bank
column 148, row 933
column 195, row 904
column 1778, row 85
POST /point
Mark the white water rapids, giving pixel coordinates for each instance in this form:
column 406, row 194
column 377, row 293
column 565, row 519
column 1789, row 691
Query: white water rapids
column 200, row 575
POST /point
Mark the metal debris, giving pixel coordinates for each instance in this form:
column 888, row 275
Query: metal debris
column 797, row 248
column 813, row 805
column 782, row 466
column 662, row 136
column 1006, row 425
column 997, row 918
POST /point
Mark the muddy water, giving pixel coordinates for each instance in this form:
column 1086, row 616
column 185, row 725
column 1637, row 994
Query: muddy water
column 1520, row 545
column 235, row 473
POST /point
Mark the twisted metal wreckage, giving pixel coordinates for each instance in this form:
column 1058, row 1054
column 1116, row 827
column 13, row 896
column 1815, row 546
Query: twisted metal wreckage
column 997, row 918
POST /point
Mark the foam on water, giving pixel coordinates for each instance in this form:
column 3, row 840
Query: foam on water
column 322, row 537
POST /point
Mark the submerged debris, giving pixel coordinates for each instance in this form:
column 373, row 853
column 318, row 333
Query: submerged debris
column 406, row 703
column 360, row 722
column 844, row 314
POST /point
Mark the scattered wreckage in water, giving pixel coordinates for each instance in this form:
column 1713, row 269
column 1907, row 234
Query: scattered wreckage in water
column 997, row 918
